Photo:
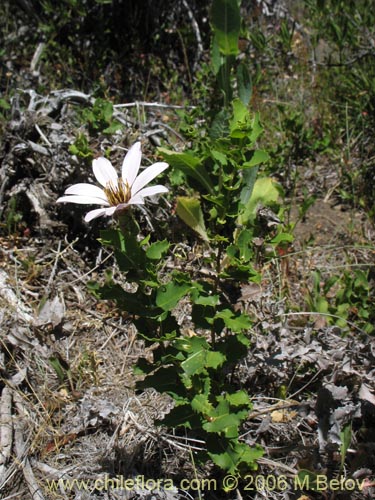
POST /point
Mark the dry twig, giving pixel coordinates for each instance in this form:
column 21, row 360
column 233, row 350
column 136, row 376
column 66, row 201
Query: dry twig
column 6, row 432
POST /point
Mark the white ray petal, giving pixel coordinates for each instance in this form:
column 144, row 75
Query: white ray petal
column 104, row 171
column 136, row 200
column 98, row 212
column 147, row 175
column 150, row 191
column 82, row 200
column 131, row 163
column 85, row 189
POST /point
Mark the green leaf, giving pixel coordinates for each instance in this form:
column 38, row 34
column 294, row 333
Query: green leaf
column 219, row 125
column 226, row 22
column 133, row 303
column 4, row 104
column 220, row 157
column 168, row 296
column 244, row 83
column 156, row 250
column 243, row 241
column 195, row 363
column 189, row 165
column 282, row 237
column 189, row 209
column 233, row 322
column 61, row 368
column 239, row 398
column 249, row 177
column 264, row 192
column 214, row 359
column 305, row 476
column 258, row 157
column 181, row 415
column 239, row 118
column 346, row 438
column 200, row 404
column 232, row 456
column 204, row 300
column 113, row 128
column 224, row 421
column 256, row 128
column 165, row 379
column 216, row 57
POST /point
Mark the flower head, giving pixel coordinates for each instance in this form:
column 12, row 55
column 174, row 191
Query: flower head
column 117, row 192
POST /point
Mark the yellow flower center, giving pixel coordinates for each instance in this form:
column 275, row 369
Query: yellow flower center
column 117, row 194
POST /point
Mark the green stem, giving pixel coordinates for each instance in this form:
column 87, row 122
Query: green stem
column 216, row 284
column 127, row 223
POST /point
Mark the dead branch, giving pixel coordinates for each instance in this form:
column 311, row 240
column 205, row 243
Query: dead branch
column 6, row 431
column 197, row 33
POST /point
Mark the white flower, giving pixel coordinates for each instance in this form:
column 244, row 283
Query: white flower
column 118, row 192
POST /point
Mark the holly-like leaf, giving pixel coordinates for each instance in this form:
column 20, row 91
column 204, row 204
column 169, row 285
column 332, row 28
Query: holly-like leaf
column 234, row 322
column 189, row 209
column 238, row 398
column 224, row 421
column 214, row 359
column 200, row 404
column 156, row 250
column 168, row 296
column 232, row 456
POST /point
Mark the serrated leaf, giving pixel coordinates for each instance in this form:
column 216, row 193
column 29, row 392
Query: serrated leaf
column 224, row 421
column 214, row 359
column 156, row 250
column 239, row 398
column 236, row 323
column 282, row 237
column 200, row 404
column 168, row 296
column 189, row 209
column 232, row 456
column 220, row 157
